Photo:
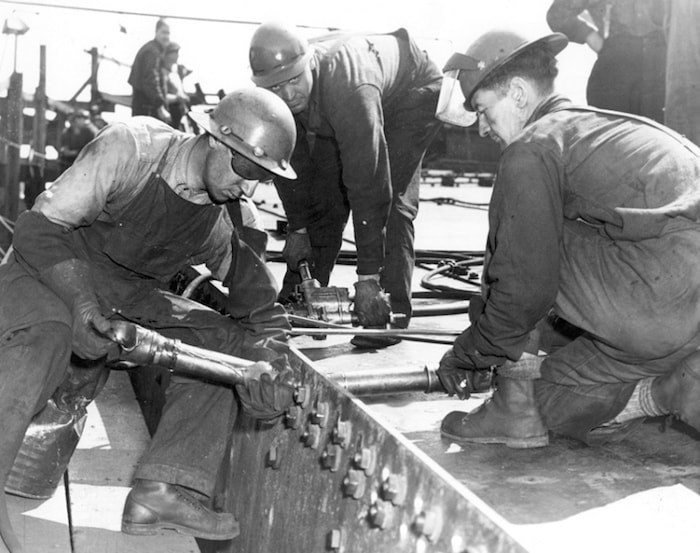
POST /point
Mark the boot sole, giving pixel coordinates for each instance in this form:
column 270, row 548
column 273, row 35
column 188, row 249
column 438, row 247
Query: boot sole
column 515, row 443
column 367, row 342
column 135, row 529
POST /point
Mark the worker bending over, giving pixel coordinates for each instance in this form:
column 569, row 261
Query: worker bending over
column 593, row 256
column 142, row 202
column 364, row 107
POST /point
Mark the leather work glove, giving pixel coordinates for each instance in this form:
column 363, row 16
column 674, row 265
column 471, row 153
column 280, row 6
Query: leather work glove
column 463, row 383
column 267, row 399
column 372, row 305
column 297, row 247
column 460, row 381
column 71, row 280
column 90, row 329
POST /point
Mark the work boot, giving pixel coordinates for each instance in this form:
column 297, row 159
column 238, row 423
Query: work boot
column 509, row 417
column 678, row 392
column 374, row 342
column 152, row 506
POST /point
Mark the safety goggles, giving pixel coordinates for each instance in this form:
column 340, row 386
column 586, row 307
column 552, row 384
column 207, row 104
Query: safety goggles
column 452, row 106
column 248, row 170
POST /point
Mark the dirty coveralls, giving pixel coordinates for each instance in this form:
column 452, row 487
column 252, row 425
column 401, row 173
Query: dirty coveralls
column 629, row 73
column 125, row 208
column 360, row 145
column 595, row 217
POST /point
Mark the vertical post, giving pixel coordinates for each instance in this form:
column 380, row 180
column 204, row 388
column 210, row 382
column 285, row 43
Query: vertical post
column 14, row 67
column 94, row 86
column 35, row 183
column 11, row 145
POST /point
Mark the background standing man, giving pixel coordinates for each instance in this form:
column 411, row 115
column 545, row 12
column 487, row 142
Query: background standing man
column 364, row 107
column 142, row 202
column 593, row 256
column 146, row 76
column 629, row 39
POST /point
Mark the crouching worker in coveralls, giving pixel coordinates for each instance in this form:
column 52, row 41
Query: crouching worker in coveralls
column 593, row 256
column 141, row 202
column 365, row 112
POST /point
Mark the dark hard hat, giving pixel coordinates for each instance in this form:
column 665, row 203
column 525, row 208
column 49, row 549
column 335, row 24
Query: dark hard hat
column 255, row 123
column 277, row 53
column 493, row 50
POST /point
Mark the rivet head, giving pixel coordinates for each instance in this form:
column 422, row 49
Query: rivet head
column 258, row 151
column 225, row 130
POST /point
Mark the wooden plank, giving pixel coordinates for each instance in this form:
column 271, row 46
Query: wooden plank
column 13, row 136
column 100, row 474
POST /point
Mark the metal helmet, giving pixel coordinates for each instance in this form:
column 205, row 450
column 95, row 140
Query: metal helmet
column 255, row 123
column 490, row 52
column 277, row 53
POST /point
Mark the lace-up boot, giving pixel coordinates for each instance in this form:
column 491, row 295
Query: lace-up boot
column 152, row 506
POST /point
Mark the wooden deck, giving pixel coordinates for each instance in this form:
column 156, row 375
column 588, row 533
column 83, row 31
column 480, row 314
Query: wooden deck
column 85, row 516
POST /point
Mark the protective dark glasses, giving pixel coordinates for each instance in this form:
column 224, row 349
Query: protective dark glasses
column 245, row 168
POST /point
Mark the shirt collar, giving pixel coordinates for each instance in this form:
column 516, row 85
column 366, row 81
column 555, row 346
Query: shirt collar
column 552, row 103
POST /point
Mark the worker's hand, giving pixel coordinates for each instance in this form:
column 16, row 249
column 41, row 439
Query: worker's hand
column 266, row 398
column 460, row 381
column 90, row 331
column 372, row 305
column 297, row 248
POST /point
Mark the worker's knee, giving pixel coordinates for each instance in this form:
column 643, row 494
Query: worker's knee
column 35, row 358
column 47, row 339
column 37, row 350
column 561, row 410
column 575, row 410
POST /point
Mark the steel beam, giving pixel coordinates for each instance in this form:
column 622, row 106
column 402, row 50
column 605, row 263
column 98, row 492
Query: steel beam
column 332, row 477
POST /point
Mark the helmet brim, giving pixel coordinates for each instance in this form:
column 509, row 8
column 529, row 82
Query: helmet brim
column 555, row 42
column 240, row 147
column 280, row 75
